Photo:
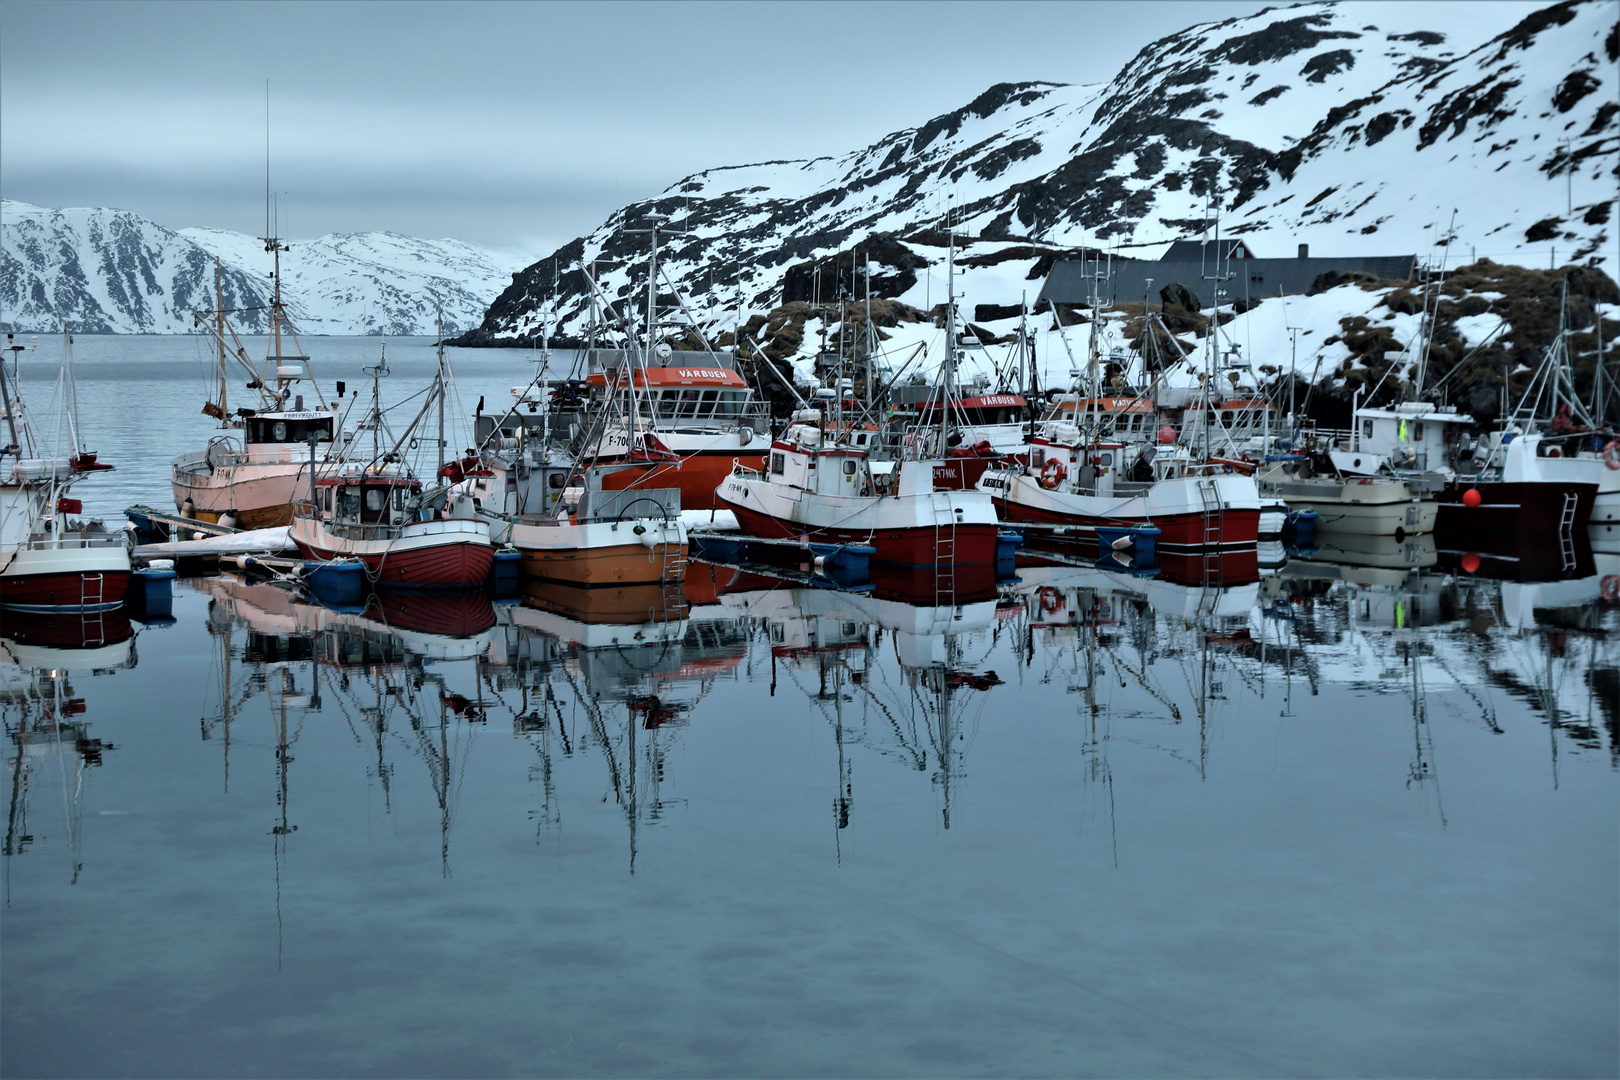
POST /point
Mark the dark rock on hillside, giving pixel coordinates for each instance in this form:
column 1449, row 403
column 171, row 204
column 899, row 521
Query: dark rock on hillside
column 1183, row 297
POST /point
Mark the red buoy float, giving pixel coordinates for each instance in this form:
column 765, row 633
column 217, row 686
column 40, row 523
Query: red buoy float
column 1471, row 499
column 1167, row 434
column 1470, row 563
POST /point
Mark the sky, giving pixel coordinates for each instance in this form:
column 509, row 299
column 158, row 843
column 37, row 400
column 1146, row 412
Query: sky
column 515, row 127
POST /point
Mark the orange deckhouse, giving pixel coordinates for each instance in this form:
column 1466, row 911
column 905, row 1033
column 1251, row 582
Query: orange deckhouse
column 689, row 417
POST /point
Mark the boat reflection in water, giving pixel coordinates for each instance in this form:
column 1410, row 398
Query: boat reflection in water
column 828, row 644
column 608, row 682
column 47, row 726
column 616, row 671
column 387, row 667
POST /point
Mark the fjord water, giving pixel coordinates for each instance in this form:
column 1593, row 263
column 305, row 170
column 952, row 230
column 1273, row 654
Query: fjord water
column 140, row 397
column 1096, row 825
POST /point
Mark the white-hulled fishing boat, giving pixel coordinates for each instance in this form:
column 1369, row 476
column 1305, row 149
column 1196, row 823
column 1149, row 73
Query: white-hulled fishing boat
column 49, row 562
column 380, row 514
column 1070, row 482
column 600, row 538
column 827, row 494
column 250, row 476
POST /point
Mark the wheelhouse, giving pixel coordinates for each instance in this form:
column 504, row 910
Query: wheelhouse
column 1130, row 418
column 356, row 500
column 802, row 458
column 684, row 396
column 287, row 427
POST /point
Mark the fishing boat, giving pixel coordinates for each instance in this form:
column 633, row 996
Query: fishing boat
column 1072, row 482
column 685, row 416
column 826, row 492
column 50, row 561
column 598, row 536
column 377, row 512
column 383, row 517
column 1377, row 505
column 249, row 475
column 1529, row 476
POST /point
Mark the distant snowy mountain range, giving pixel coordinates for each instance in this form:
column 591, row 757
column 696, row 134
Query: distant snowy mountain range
column 1357, row 128
column 111, row 271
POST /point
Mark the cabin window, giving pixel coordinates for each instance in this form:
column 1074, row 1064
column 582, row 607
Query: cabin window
column 1037, row 458
column 860, row 440
column 399, row 498
column 849, row 468
column 278, row 431
column 326, row 500
column 375, row 498
column 706, row 402
column 555, row 481
column 349, row 503
column 1226, row 416
column 779, row 464
column 1106, row 459
column 1366, row 429
column 1417, row 431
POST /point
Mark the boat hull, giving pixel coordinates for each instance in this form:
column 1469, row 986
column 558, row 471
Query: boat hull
column 1507, row 506
column 634, row 551
column 974, row 544
column 618, row 566
column 429, row 555
column 697, row 475
column 925, row 528
column 64, row 579
column 1168, row 506
column 258, row 496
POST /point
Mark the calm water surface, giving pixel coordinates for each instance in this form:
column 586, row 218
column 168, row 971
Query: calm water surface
column 1339, row 822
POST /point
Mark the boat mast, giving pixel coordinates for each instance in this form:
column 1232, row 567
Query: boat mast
column 5, row 396
column 948, row 374
column 219, row 338
column 440, row 386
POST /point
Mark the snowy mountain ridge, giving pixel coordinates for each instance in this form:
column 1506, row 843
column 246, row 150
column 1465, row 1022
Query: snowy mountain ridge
column 110, row 271
column 1352, row 127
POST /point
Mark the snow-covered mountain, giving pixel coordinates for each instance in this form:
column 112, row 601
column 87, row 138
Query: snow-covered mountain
column 110, row 271
column 375, row 283
column 1357, row 128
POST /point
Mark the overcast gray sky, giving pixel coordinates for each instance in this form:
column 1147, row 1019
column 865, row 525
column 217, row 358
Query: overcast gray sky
column 513, row 126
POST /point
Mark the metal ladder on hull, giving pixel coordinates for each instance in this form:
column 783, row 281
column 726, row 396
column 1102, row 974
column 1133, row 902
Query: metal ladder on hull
column 1213, row 521
column 92, row 591
column 944, row 550
column 1566, row 530
column 672, row 576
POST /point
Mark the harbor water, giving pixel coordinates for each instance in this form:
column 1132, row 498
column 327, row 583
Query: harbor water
column 1352, row 818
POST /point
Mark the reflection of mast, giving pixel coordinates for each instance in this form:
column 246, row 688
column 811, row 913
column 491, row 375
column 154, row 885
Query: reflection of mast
column 1093, row 750
column 845, row 798
column 220, row 625
column 281, row 830
column 1422, row 769
column 44, row 728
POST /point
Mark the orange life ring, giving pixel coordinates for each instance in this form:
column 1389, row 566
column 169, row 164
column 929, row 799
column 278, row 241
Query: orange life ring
column 1610, row 588
column 1052, row 473
column 1611, row 454
column 1051, row 600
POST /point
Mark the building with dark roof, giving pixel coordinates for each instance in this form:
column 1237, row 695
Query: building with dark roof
column 1191, row 263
